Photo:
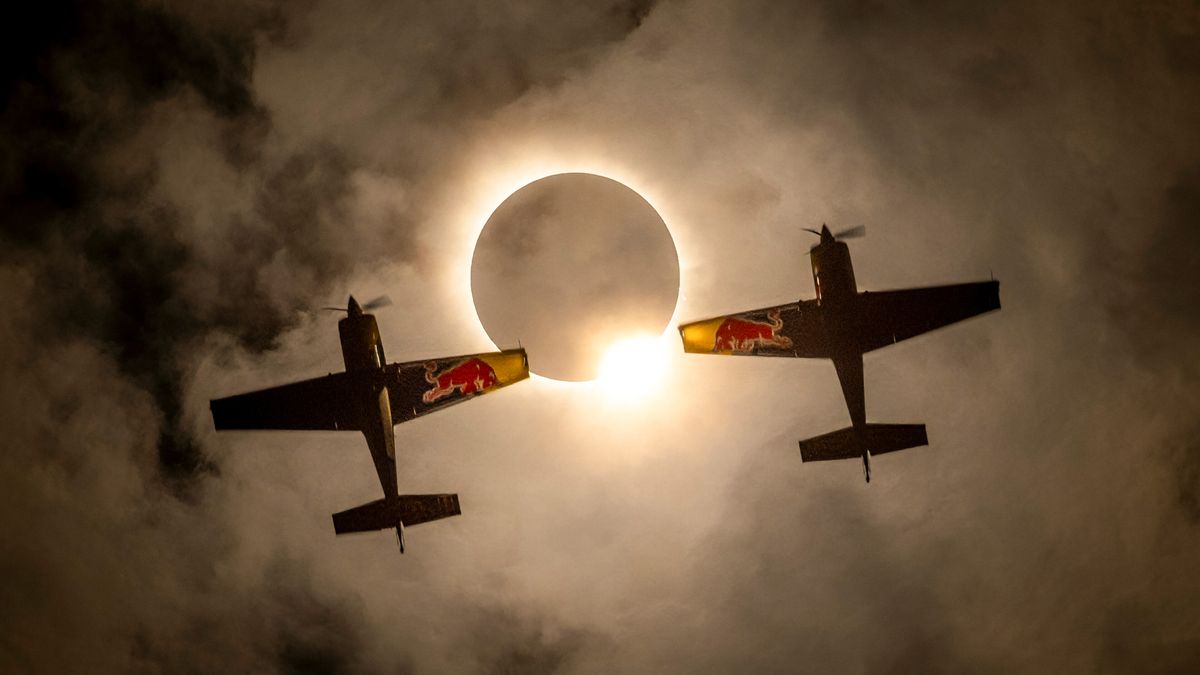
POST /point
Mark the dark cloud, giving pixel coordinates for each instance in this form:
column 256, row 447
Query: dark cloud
column 84, row 78
column 1185, row 454
column 81, row 78
column 122, row 273
column 297, row 627
column 504, row 640
column 72, row 88
column 1161, row 289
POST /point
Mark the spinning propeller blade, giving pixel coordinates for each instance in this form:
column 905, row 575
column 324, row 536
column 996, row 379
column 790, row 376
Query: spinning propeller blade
column 381, row 301
column 850, row 233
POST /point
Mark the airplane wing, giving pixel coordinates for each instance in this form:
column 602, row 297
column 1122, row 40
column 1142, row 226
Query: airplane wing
column 418, row 388
column 888, row 317
column 316, row 404
column 415, row 388
column 793, row 329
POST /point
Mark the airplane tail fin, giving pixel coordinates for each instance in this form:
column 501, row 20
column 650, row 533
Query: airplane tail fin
column 406, row 510
column 848, row 443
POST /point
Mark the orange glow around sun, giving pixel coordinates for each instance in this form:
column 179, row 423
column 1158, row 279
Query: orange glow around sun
column 633, row 367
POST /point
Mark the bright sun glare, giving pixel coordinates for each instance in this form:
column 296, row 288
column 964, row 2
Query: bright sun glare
column 634, row 367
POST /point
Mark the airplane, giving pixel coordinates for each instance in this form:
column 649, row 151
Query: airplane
column 372, row 396
column 842, row 324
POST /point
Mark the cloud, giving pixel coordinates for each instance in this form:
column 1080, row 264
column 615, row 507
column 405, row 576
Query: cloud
column 155, row 208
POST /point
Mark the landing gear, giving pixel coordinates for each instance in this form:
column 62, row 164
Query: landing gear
column 867, row 466
column 400, row 536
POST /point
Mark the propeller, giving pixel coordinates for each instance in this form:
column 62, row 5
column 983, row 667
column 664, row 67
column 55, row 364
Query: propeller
column 381, row 301
column 849, row 233
column 852, row 233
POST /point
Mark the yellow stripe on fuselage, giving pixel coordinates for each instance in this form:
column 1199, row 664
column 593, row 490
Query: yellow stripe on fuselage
column 510, row 365
column 701, row 337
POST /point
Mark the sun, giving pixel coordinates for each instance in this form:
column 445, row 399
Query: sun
column 505, row 165
column 633, row 368
column 569, row 264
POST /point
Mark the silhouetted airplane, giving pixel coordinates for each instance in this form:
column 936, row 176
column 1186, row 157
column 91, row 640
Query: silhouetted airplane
column 372, row 396
column 841, row 324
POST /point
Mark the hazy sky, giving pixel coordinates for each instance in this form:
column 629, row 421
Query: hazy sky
column 185, row 182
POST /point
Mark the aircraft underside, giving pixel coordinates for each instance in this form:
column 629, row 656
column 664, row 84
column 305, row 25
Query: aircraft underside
column 842, row 324
column 371, row 397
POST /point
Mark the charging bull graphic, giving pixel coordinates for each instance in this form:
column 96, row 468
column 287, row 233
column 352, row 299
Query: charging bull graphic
column 742, row 335
column 471, row 376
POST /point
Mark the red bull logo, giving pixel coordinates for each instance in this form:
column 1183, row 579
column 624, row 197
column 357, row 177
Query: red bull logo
column 741, row 335
column 466, row 377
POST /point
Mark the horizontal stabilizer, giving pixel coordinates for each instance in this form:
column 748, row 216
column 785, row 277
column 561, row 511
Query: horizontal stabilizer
column 407, row 510
column 883, row 438
column 878, row 438
column 841, row 444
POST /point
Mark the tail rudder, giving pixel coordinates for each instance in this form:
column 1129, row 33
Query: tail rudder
column 841, row 444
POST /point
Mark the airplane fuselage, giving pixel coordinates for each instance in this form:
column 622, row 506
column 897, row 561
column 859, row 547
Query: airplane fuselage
column 362, row 350
column 837, row 296
column 833, row 273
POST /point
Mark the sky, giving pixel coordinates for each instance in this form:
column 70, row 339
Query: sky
column 184, row 183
